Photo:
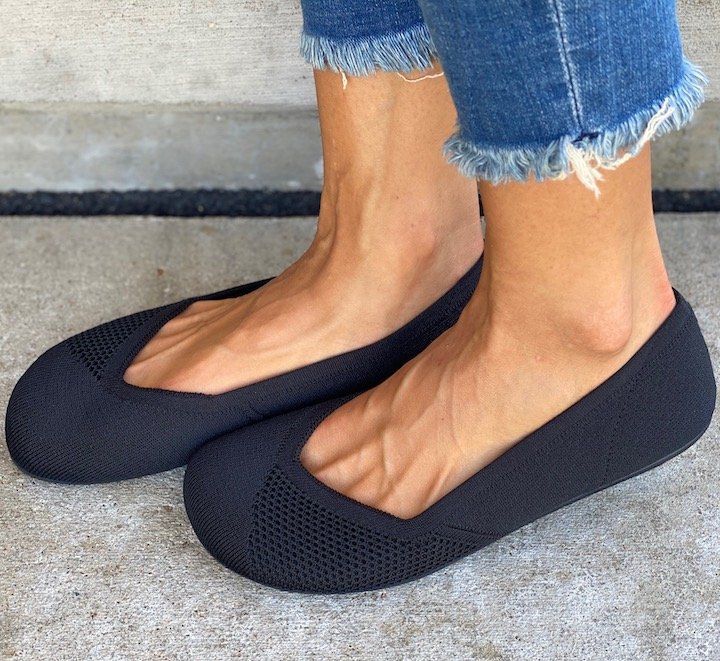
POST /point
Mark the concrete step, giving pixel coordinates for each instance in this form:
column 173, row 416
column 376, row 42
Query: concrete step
column 111, row 147
column 199, row 51
column 211, row 93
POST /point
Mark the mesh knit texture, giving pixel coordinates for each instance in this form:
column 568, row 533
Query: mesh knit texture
column 95, row 347
column 259, row 512
column 296, row 543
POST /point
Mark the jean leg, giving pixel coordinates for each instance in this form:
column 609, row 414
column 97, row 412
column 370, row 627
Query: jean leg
column 552, row 87
column 358, row 36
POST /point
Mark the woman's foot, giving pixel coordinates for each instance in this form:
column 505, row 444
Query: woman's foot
column 545, row 327
column 469, row 397
column 332, row 300
column 397, row 228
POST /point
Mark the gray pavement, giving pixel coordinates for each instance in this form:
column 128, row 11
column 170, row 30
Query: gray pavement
column 115, row 572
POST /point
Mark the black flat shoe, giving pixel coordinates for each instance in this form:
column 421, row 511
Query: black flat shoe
column 262, row 514
column 73, row 418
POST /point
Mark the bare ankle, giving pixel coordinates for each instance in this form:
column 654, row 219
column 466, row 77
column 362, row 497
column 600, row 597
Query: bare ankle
column 405, row 230
column 602, row 327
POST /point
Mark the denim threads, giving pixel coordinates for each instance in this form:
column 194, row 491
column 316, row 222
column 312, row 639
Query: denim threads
column 356, row 37
column 401, row 51
column 583, row 156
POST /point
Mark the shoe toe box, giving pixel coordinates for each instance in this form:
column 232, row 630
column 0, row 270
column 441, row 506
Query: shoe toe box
column 258, row 512
column 222, row 481
column 64, row 425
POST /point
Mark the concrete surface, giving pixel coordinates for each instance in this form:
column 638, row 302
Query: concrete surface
column 197, row 51
column 115, row 572
column 154, row 51
column 689, row 159
column 81, row 147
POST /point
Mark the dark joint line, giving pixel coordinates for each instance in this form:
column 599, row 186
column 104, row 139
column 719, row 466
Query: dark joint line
column 243, row 203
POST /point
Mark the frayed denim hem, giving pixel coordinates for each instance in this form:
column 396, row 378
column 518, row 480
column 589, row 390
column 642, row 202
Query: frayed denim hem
column 400, row 51
column 587, row 155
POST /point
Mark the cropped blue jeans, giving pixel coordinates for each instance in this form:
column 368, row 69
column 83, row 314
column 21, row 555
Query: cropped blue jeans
column 542, row 87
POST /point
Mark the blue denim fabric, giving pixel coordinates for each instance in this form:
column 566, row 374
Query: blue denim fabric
column 541, row 87
column 355, row 36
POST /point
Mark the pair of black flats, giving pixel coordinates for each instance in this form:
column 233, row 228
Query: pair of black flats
column 72, row 418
